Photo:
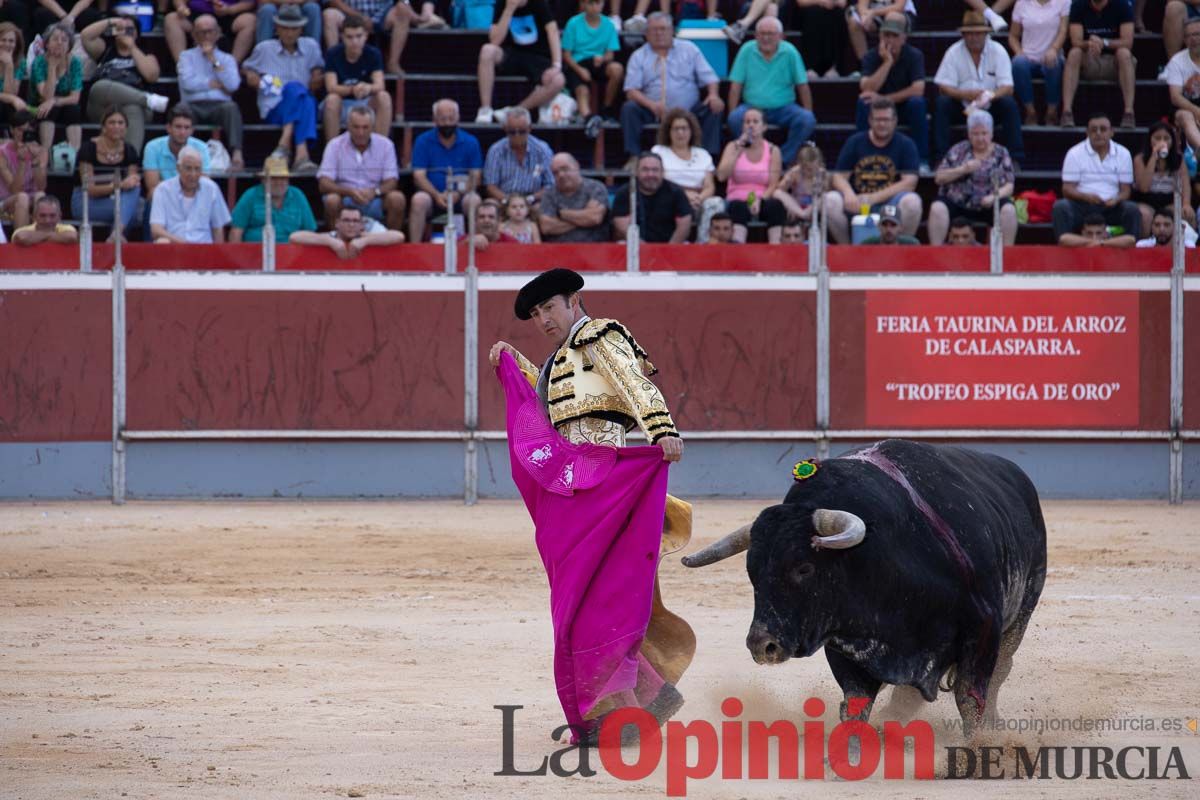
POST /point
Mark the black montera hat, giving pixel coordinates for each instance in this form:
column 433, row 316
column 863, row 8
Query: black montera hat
column 551, row 282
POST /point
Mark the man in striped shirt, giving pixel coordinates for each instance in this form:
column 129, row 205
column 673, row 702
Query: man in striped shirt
column 519, row 163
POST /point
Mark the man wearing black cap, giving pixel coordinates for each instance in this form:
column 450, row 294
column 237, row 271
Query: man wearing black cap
column 595, row 388
column 586, row 384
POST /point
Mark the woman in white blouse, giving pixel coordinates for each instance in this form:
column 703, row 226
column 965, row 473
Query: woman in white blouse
column 689, row 166
column 1037, row 35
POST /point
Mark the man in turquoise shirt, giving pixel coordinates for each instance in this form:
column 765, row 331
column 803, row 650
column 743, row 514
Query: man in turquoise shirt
column 771, row 73
column 290, row 209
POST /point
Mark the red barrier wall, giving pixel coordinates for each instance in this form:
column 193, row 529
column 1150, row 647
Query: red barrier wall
column 55, row 366
column 322, row 360
column 1191, row 360
column 730, row 358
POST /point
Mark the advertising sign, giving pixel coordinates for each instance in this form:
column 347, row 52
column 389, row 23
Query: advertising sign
column 1002, row 359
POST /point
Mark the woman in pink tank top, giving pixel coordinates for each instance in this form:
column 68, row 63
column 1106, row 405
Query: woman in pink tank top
column 751, row 167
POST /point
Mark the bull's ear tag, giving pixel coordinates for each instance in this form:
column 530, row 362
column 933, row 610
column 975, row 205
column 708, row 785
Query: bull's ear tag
column 804, row 469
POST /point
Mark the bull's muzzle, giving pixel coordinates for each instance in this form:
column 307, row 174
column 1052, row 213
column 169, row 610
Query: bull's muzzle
column 765, row 648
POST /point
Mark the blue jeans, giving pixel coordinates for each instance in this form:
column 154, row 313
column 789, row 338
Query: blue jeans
column 373, row 209
column 100, row 209
column 297, row 107
column 1005, row 113
column 911, row 113
column 798, row 120
column 265, row 29
column 1025, row 70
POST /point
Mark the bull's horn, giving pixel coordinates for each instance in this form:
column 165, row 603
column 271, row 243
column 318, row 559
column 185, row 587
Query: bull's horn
column 837, row 530
column 731, row 545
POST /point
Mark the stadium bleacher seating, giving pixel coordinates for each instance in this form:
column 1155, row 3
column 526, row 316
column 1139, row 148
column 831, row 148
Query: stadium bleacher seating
column 442, row 63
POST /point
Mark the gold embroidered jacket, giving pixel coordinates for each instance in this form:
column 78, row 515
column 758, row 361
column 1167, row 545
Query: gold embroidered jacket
column 601, row 371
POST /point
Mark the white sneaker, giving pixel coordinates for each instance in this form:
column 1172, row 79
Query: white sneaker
column 616, row 20
column 635, row 25
column 484, row 115
column 995, row 20
column 500, row 115
column 1162, row 75
column 156, row 102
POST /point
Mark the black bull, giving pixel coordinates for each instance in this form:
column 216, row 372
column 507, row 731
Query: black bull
column 909, row 563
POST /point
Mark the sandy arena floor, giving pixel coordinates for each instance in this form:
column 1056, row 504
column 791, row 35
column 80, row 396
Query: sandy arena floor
column 294, row 650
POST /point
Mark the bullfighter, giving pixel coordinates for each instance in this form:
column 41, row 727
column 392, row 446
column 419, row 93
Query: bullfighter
column 602, row 515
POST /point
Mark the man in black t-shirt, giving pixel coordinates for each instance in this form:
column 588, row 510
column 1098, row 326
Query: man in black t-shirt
column 896, row 70
column 354, row 77
column 663, row 211
column 1101, row 36
column 875, row 168
column 523, row 40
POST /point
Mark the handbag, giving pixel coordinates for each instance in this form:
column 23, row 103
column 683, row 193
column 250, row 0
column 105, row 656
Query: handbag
column 1039, row 205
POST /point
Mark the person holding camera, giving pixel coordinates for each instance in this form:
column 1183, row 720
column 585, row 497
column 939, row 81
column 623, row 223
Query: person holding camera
column 751, row 168
column 123, row 73
column 22, row 170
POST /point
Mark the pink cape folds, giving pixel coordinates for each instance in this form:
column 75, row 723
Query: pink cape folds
column 598, row 514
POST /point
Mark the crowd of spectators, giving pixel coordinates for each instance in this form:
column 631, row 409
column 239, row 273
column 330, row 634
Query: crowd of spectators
column 319, row 75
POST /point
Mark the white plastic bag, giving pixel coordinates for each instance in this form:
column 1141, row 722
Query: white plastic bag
column 559, row 111
column 218, row 157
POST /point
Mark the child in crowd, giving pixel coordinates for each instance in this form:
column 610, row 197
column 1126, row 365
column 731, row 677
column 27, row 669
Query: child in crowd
column 801, row 185
column 590, row 46
column 517, row 222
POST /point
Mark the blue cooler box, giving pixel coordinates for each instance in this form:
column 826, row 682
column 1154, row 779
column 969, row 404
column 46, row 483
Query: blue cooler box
column 143, row 13
column 709, row 36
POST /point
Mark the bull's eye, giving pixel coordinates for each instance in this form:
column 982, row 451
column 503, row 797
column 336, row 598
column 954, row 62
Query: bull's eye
column 803, row 571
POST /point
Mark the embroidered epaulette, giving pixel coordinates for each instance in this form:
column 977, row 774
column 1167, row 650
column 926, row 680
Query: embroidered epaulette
column 595, row 329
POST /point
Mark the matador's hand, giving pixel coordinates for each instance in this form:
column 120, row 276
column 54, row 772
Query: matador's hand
column 497, row 349
column 672, row 447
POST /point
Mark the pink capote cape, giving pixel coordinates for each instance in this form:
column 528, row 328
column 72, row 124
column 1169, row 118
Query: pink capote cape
column 598, row 514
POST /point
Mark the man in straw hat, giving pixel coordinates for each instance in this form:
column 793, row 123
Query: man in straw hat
column 598, row 507
column 290, row 209
column 976, row 73
column 285, row 71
